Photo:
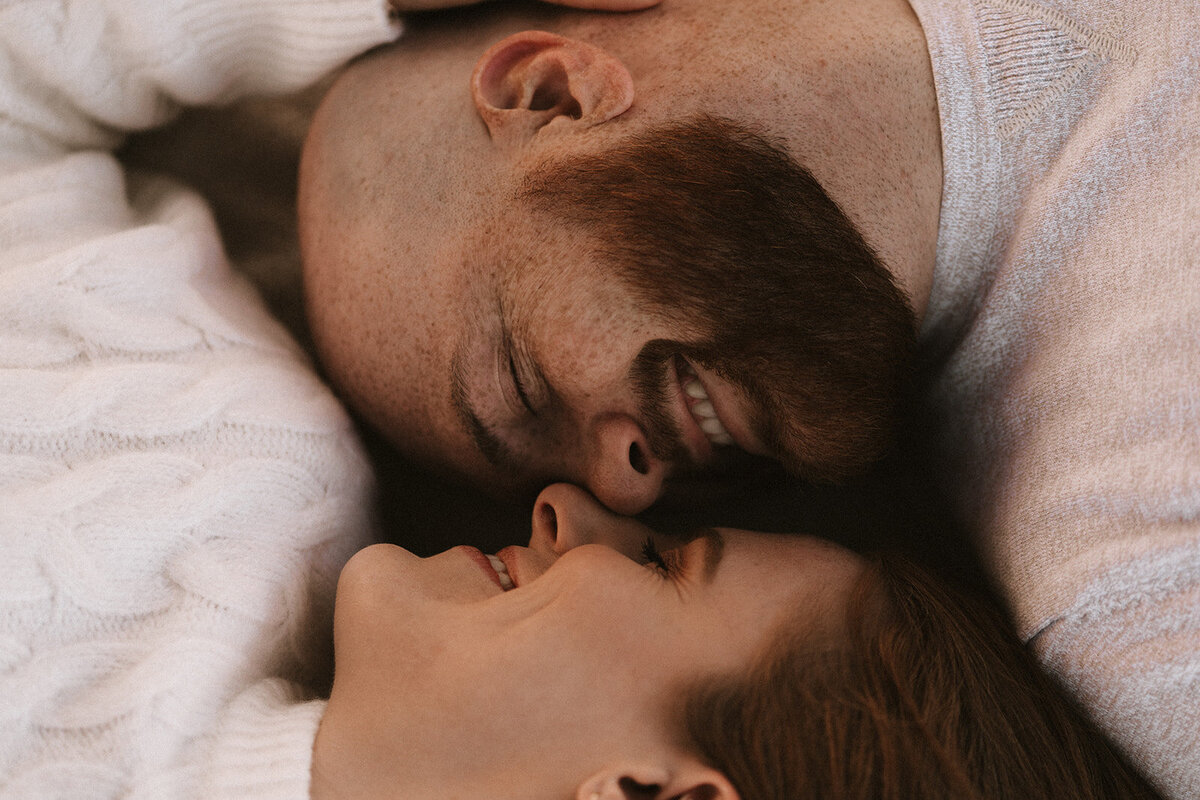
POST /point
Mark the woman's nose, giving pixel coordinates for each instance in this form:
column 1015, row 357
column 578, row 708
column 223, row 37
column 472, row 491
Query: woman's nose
column 565, row 517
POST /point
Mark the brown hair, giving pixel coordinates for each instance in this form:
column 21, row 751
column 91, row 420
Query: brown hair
column 716, row 227
column 932, row 697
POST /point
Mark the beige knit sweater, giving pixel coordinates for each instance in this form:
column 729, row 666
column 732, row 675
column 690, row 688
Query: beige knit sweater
column 1064, row 342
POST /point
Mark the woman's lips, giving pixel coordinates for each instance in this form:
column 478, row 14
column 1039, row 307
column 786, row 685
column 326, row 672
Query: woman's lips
column 506, row 581
column 508, row 557
column 484, row 562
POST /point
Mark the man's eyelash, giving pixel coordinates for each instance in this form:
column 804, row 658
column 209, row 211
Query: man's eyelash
column 667, row 567
column 516, row 378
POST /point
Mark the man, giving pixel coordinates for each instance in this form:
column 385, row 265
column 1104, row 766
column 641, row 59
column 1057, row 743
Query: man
column 535, row 262
column 468, row 312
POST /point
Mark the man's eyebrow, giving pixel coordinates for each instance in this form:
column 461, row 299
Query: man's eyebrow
column 494, row 450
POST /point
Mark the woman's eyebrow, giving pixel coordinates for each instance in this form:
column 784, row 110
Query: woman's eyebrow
column 714, row 549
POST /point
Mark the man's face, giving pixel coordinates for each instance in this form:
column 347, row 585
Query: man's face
column 480, row 336
column 559, row 372
column 486, row 336
column 537, row 365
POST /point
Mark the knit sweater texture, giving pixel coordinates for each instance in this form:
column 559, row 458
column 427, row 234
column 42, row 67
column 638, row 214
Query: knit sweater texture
column 178, row 490
column 1063, row 342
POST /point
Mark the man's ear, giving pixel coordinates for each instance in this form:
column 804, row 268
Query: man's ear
column 534, row 81
column 684, row 778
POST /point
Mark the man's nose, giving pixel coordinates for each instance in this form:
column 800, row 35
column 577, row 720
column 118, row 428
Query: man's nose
column 621, row 471
column 565, row 517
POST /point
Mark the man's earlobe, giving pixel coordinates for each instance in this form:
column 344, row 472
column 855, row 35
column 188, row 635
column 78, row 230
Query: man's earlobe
column 535, row 81
column 686, row 779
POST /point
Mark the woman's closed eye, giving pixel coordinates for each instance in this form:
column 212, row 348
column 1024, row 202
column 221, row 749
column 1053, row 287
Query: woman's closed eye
column 668, row 563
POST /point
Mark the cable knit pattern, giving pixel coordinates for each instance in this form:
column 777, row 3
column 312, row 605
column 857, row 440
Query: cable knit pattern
column 1064, row 340
column 178, row 490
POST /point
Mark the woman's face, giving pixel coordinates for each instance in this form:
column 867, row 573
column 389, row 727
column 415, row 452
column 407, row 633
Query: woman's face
column 474, row 689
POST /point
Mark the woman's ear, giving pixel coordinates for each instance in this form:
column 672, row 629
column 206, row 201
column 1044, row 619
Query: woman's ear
column 684, row 778
column 535, row 79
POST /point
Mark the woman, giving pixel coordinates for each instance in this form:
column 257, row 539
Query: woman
column 603, row 662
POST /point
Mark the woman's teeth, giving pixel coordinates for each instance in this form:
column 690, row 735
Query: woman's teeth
column 506, row 581
column 702, row 408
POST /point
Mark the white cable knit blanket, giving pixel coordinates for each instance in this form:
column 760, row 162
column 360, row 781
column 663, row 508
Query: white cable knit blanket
column 178, row 490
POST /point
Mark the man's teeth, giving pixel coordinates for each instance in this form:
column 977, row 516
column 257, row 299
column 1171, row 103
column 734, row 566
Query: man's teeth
column 506, row 581
column 702, row 408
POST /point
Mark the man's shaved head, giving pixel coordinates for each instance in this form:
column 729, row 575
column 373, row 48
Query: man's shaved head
column 617, row 249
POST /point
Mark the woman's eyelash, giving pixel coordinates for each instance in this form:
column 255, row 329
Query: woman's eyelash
column 665, row 566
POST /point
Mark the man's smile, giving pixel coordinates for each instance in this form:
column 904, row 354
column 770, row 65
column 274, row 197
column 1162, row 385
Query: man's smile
column 698, row 402
column 716, row 414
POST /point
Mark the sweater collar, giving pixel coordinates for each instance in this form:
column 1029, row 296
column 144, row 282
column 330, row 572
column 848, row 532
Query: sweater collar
column 969, row 217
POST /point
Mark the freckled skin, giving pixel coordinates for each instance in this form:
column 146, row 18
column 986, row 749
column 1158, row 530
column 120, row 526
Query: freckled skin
column 406, row 199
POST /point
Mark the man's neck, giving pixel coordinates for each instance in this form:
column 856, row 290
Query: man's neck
column 871, row 132
column 847, row 86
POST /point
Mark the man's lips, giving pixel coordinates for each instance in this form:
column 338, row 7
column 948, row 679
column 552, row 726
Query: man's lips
column 704, row 413
column 694, row 439
column 715, row 410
